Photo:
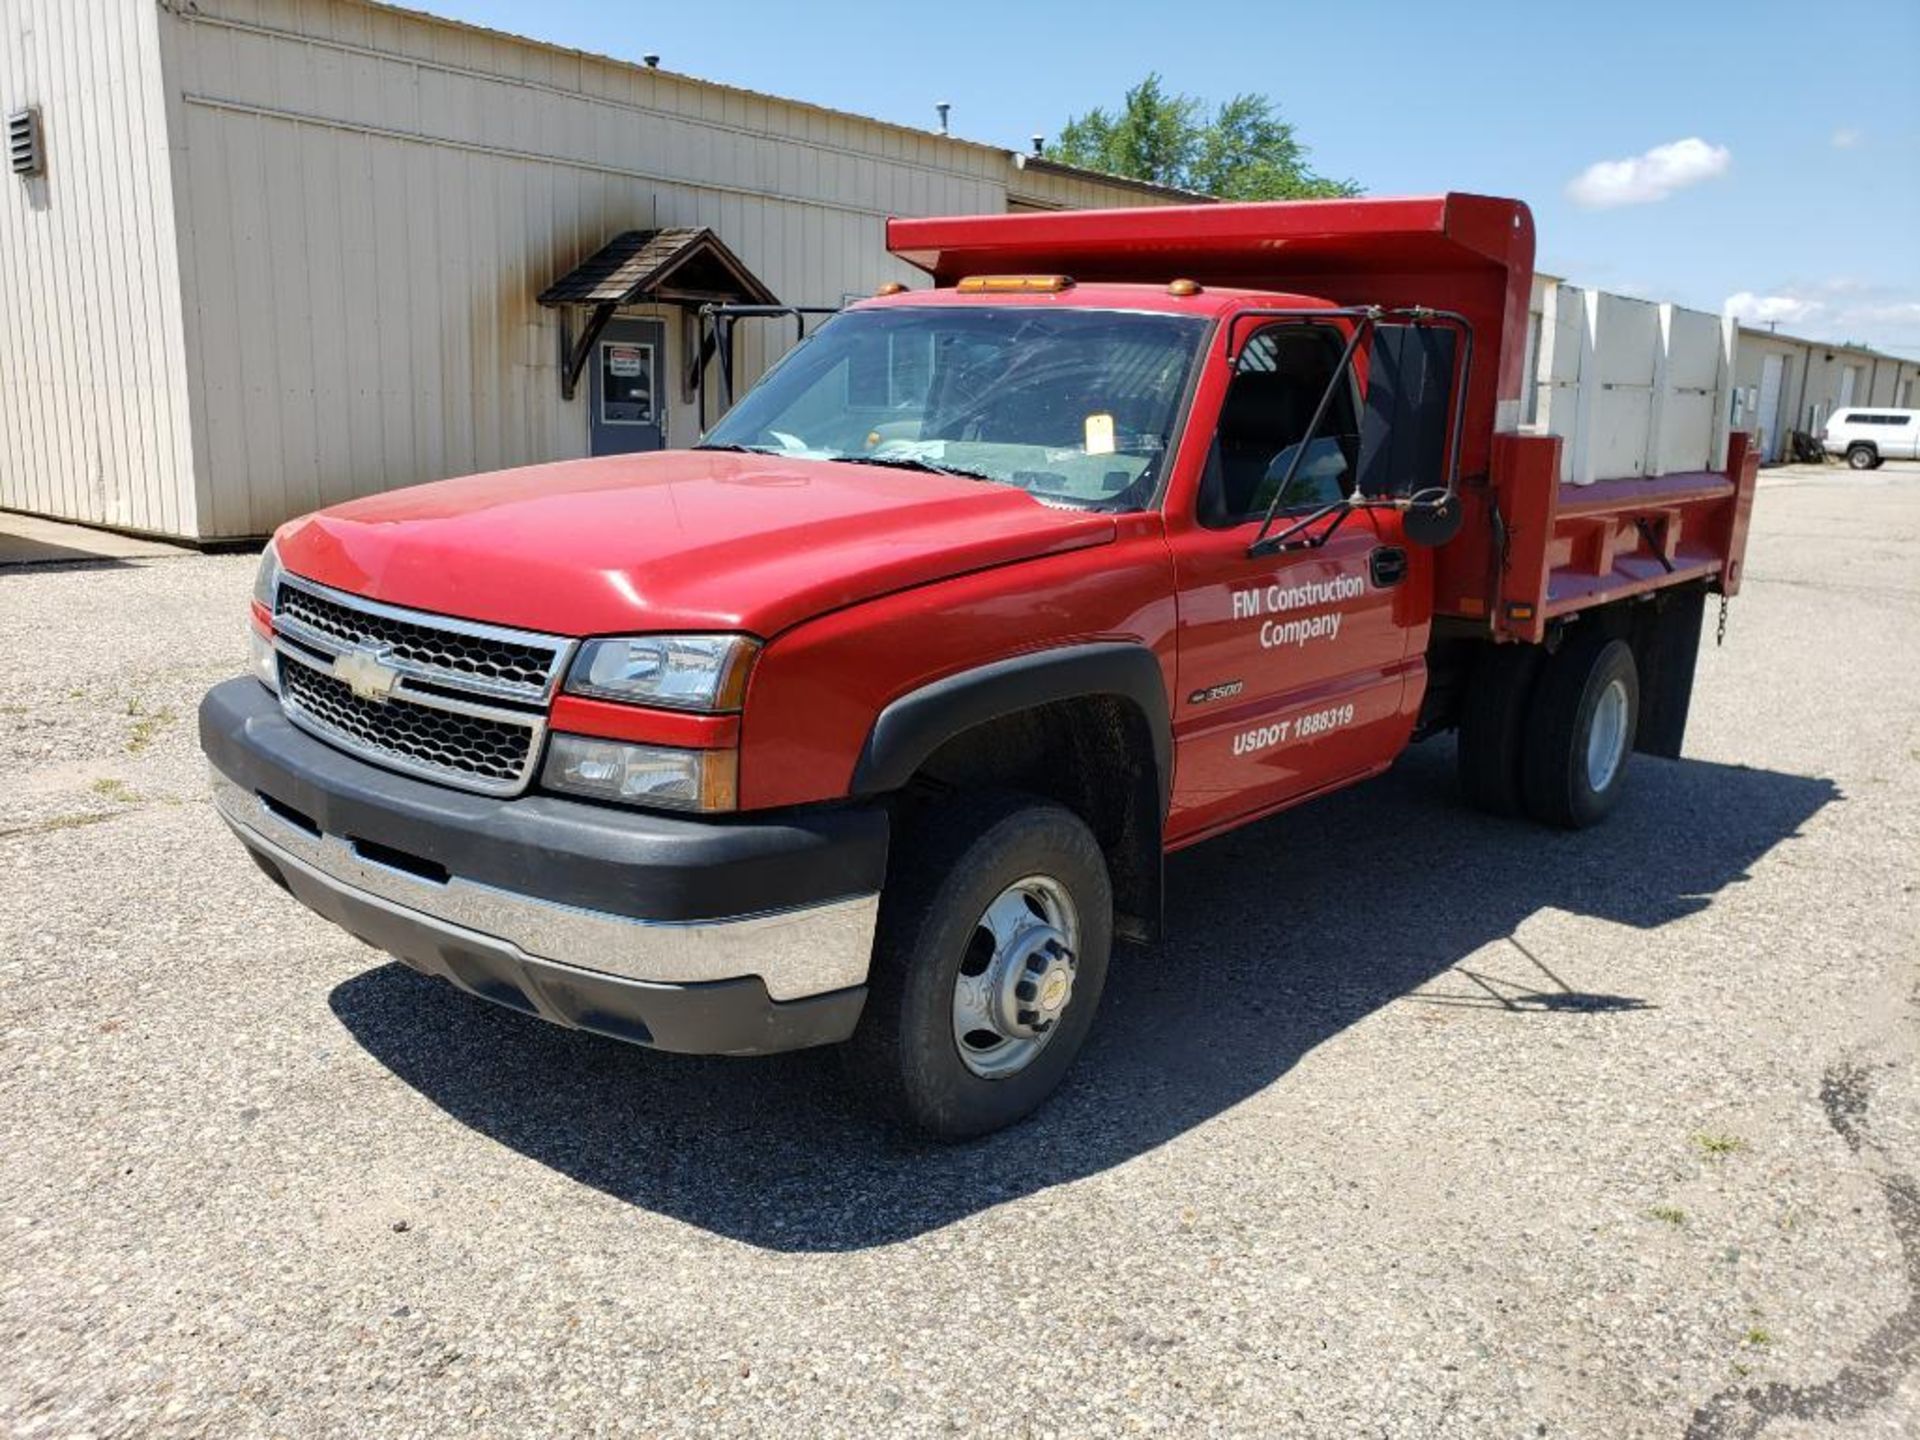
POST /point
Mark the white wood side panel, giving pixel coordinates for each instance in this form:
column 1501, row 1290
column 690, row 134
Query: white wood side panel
column 1631, row 387
column 92, row 395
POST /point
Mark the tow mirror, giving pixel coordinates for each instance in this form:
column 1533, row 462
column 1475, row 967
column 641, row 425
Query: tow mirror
column 1403, row 435
column 1410, row 418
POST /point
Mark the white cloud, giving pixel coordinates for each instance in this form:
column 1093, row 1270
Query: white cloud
column 1845, row 139
column 1751, row 309
column 1835, row 310
column 1642, row 179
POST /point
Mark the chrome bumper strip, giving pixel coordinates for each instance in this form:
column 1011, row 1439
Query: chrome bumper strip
column 796, row 953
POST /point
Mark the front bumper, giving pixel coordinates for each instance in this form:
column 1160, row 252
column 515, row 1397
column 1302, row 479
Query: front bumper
column 706, row 936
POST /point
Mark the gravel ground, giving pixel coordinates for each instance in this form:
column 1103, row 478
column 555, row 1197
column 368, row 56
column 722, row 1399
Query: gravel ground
column 1424, row 1124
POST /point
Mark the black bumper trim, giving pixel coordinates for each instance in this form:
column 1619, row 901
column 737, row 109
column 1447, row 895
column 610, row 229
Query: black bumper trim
column 634, row 863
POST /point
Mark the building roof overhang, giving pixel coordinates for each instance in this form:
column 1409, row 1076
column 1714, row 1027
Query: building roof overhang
column 675, row 267
column 686, row 267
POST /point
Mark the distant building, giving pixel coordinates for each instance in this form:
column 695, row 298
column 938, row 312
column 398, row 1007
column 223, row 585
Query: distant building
column 1783, row 383
column 258, row 257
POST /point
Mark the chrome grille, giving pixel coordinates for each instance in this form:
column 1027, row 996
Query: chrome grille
column 507, row 664
column 456, row 702
column 446, row 742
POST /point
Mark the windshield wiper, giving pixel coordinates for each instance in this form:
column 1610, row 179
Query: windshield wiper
column 916, row 462
column 741, row 449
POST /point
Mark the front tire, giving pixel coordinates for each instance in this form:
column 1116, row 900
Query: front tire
column 1861, row 457
column 991, row 953
column 1580, row 731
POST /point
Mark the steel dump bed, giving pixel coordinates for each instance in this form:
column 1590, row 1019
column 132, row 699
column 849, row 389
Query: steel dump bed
column 1533, row 547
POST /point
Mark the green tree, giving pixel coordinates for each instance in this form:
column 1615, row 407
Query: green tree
column 1243, row 150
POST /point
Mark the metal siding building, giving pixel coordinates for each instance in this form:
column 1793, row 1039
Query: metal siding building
column 1783, row 383
column 287, row 252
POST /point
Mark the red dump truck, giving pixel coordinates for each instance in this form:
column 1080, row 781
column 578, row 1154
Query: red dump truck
column 871, row 717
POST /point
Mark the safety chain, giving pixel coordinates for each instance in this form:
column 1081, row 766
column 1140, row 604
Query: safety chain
column 1720, row 632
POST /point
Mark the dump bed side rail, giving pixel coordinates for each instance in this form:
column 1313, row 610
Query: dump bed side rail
column 1560, row 549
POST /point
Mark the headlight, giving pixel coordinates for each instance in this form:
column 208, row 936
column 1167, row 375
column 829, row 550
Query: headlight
column 643, row 774
column 260, row 657
column 681, row 672
column 266, row 580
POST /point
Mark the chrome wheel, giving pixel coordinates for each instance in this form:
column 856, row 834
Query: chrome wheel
column 1607, row 737
column 1017, row 977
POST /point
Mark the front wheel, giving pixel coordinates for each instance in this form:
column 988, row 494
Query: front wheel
column 995, row 929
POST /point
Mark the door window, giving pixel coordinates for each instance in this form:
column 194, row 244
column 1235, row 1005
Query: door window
column 1282, row 372
column 626, row 383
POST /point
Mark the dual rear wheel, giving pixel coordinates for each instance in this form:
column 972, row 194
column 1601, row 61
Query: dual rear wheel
column 1549, row 735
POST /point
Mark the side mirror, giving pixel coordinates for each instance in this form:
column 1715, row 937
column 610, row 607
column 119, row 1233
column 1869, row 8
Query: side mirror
column 1432, row 522
column 1410, row 410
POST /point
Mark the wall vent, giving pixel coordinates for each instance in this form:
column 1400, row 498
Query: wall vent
column 24, row 154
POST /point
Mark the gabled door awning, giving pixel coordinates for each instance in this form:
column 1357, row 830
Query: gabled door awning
column 687, row 267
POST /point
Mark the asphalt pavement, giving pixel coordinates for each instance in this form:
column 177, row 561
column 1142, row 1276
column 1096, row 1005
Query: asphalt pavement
column 1423, row 1124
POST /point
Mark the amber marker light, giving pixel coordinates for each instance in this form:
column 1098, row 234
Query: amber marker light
column 1183, row 288
column 892, row 287
column 1015, row 284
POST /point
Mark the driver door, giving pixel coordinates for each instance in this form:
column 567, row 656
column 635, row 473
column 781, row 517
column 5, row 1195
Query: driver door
column 1292, row 665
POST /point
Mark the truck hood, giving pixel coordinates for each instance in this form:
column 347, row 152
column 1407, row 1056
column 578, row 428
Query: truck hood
column 677, row 540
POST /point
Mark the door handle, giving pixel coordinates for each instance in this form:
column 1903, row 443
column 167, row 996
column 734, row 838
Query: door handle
column 1387, row 565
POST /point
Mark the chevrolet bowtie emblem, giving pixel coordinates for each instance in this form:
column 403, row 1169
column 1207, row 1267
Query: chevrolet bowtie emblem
column 366, row 674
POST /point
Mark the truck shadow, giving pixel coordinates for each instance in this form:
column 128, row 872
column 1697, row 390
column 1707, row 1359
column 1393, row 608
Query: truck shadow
column 1285, row 934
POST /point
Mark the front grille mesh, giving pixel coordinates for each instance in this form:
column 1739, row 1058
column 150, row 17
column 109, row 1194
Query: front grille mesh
column 483, row 656
column 464, row 747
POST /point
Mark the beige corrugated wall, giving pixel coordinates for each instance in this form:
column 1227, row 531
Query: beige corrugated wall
column 287, row 250
column 93, row 389
column 370, row 202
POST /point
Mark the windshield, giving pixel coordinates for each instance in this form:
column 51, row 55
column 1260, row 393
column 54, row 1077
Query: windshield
column 1074, row 406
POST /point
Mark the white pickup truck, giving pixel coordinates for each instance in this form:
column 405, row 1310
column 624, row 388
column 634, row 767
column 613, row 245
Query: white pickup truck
column 1868, row 438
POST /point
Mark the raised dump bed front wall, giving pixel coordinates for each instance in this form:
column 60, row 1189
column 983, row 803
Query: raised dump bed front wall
column 1631, row 388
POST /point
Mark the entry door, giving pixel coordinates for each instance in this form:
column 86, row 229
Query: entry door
column 629, row 390
column 1293, row 667
column 1772, row 372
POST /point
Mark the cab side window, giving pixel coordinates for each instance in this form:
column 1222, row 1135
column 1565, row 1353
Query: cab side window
column 1279, row 378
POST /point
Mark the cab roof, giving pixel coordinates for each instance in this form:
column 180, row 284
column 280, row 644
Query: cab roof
column 1208, row 302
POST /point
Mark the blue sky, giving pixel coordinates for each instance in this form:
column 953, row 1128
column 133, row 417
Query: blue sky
column 1798, row 199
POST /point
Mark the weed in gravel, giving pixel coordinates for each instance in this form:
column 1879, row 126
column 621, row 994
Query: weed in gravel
column 60, row 822
column 1758, row 1338
column 147, row 725
column 1719, row 1146
column 118, row 791
column 1671, row 1214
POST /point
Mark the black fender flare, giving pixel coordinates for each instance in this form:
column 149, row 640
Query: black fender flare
column 918, row 723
